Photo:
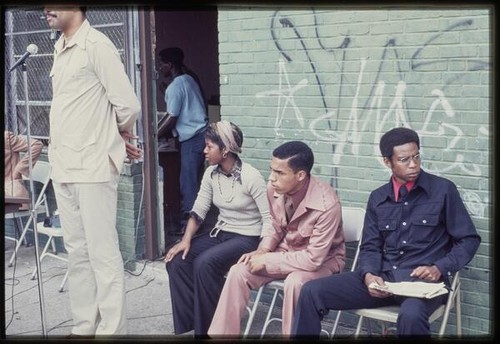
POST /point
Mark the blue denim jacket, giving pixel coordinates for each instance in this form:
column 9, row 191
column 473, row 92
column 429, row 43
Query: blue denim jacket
column 431, row 226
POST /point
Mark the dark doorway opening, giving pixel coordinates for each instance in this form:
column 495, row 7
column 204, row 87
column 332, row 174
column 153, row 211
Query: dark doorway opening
column 196, row 33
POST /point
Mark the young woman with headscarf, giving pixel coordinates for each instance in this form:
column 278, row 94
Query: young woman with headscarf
column 198, row 263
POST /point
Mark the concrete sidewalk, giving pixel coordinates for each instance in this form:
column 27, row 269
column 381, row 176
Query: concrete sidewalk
column 148, row 300
column 148, row 297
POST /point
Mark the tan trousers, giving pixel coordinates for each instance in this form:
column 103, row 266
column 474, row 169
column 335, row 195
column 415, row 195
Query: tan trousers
column 96, row 273
column 236, row 293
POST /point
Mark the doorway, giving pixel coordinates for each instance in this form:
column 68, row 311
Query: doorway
column 196, row 33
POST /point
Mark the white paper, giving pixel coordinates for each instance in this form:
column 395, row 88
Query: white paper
column 412, row 289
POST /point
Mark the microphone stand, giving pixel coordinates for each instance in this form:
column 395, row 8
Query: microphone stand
column 33, row 209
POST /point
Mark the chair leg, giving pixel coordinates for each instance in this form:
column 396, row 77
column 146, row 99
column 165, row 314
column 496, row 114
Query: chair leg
column 18, row 229
column 253, row 311
column 444, row 321
column 325, row 332
column 458, row 311
column 385, row 328
column 335, row 324
column 358, row 327
column 18, row 244
column 42, row 256
column 61, row 287
column 269, row 313
column 53, row 246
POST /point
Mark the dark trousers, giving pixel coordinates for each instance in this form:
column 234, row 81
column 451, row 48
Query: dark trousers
column 192, row 159
column 347, row 291
column 196, row 283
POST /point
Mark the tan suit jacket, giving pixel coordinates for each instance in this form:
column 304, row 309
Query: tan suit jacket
column 15, row 167
column 93, row 102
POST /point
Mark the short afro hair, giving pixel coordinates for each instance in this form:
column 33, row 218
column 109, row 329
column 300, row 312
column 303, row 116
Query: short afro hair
column 173, row 55
column 300, row 156
column 397, row 137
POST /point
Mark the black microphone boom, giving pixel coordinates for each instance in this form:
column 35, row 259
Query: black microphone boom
column 30, row 49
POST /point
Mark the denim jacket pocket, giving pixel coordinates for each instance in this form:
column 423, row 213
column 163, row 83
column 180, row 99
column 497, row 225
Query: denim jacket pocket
column 422, row 227
column 387, row 225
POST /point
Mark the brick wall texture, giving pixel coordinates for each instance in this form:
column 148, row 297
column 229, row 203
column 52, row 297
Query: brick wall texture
column 339, row 78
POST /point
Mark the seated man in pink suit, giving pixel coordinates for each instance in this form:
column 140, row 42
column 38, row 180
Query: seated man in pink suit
column 305, row 242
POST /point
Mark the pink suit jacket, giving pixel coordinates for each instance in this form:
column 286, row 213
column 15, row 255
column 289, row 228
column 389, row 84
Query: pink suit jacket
column 314, row 237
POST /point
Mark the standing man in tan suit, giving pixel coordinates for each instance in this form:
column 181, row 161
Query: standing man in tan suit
column 93, row 112
column 16, row 167
column 305, row 242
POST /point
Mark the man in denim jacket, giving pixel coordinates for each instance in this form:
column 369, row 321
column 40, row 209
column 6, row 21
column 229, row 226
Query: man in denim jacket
column 416, row 228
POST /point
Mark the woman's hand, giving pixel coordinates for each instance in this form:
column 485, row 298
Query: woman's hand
column 182, row 246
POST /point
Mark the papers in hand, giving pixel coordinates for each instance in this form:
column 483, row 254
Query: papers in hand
column 412, row 289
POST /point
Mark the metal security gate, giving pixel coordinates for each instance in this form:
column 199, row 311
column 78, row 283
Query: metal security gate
column 27, row 25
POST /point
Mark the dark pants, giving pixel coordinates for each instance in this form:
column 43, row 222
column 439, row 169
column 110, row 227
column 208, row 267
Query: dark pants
column 347, row 291
column 192, row 159
column 196, row 283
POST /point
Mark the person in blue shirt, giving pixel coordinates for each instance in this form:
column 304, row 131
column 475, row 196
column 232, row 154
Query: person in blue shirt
column 186, row 107
column 416, row 228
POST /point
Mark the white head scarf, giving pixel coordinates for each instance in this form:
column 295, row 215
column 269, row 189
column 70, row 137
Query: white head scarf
column 226, row 133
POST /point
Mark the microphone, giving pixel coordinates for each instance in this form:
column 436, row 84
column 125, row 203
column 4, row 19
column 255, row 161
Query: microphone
column 30, row 49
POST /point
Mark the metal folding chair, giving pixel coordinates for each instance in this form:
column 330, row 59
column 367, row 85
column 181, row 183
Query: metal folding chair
column 390, row 313
column 51, row 232
column 41, row 174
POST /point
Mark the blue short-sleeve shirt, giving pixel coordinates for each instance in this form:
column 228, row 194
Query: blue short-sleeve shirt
column 184, row 100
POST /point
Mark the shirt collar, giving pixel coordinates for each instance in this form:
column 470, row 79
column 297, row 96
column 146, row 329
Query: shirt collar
column 397, row 185
column 79, row 37
column 299, row 195
column 422, row 182
column 235, row 170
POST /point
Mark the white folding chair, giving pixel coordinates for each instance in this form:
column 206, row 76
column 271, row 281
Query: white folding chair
column 352, row 218
column 41, row 174
column 51, row 232
column 390, row 313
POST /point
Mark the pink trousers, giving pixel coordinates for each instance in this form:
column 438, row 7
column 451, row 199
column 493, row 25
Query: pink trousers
column 236, row 293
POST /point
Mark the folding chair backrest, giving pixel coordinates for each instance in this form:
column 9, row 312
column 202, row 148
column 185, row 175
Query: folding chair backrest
column 41, row 174
column 353, row 220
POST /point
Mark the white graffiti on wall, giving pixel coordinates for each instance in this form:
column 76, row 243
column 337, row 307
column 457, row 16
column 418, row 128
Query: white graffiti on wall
column 373, row 116
column 285, row 94
column 394, row 116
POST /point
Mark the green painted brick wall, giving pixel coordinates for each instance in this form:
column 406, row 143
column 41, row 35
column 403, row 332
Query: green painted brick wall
column 338, row 78
column 130, row 217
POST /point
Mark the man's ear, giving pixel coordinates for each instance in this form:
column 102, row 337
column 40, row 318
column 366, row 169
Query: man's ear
column 388, row 162
column 301, row 175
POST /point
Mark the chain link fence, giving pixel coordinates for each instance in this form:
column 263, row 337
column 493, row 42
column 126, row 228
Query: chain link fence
column 27, row 25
